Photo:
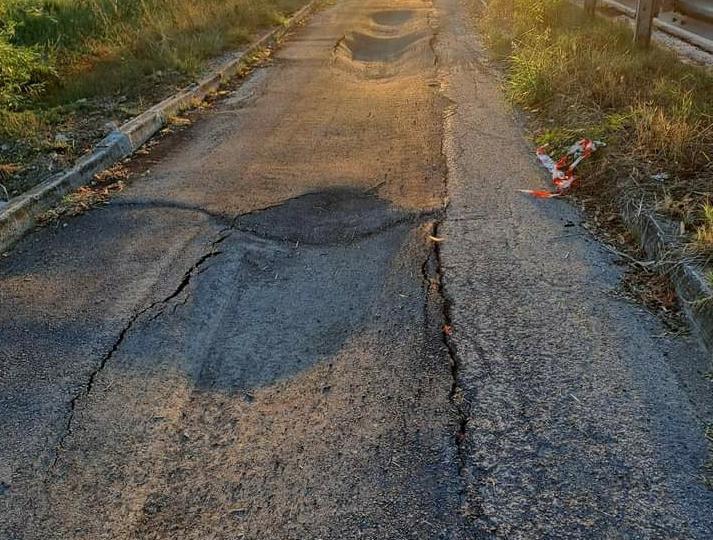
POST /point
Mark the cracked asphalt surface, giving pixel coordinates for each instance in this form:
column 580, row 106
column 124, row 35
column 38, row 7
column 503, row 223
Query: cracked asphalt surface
column 325, row 312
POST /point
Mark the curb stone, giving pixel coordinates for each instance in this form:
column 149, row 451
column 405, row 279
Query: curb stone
column 19, row 215
column 657, row 238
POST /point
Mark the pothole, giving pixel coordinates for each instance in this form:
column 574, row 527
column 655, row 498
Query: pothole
column 392, row 17
column 367, row 48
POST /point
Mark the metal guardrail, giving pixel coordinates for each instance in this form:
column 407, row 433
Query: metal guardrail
column 698, row 9
column 667, row 27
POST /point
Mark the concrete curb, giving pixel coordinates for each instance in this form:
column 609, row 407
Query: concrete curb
column 658, row 239
column 19, row 215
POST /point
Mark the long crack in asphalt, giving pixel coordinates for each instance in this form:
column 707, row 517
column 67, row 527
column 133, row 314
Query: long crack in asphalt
column 86, row 390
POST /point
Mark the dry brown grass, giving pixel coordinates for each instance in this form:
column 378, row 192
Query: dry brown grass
column 97, row 193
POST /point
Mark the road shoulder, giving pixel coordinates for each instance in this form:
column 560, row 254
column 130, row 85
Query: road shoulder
column 583, row 415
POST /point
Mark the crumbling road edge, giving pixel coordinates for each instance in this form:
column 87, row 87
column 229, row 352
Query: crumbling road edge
column 20, row 214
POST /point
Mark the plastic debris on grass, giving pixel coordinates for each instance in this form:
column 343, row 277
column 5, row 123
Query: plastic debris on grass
column 562, row 170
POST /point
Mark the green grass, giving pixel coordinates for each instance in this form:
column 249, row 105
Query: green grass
column 56, row 52
column 579, row 76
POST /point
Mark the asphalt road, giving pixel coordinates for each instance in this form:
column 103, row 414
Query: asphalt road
column 248, row 341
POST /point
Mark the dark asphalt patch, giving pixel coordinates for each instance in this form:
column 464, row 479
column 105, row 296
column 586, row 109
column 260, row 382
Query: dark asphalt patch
column 334, row 216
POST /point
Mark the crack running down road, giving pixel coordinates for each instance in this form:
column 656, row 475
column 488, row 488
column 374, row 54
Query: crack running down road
column 326, row 313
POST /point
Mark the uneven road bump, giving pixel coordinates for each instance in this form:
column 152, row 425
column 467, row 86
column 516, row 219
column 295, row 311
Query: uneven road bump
column 386, row 44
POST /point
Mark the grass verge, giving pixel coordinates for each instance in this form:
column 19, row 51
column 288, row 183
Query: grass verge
column 71, row 69
column 578, row 76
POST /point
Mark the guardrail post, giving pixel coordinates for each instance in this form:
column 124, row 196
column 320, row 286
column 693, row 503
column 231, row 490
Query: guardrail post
column 590, row 6
column 644, row 22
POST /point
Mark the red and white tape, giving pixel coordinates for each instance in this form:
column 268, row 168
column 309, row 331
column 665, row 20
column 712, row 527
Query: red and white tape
column 562, row 170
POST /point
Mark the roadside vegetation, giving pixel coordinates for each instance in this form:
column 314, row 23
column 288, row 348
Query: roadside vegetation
column 67, row 67
column 582, row 77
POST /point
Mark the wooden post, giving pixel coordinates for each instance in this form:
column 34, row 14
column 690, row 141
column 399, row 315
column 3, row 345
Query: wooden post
column 590, row 6
column 644, row 22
